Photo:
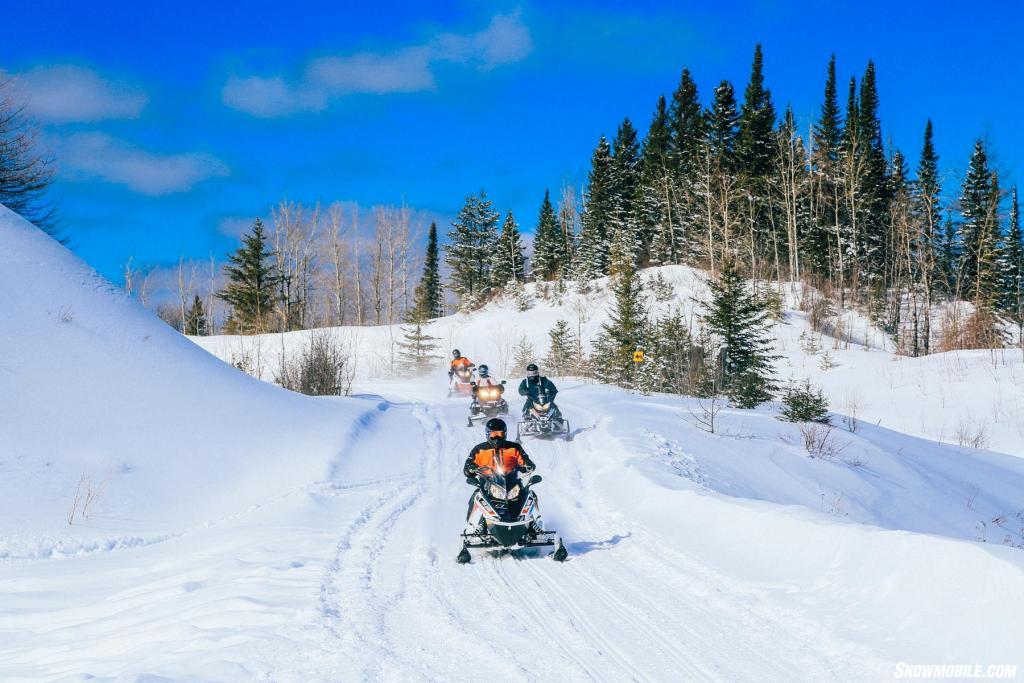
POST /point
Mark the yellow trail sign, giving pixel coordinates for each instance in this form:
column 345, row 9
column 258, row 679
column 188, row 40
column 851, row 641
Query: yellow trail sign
column 638, row 356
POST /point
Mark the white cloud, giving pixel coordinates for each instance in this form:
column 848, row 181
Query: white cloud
column 64, row 93
column 269, row 97
column 89, row 156
column 505, row 40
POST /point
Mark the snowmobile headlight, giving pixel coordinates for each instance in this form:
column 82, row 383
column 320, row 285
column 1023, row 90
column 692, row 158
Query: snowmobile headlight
column 543, row 407
column 514, row 493
column 496, row 491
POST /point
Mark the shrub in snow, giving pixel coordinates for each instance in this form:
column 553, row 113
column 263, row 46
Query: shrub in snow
column 320, row 370
column 820, row 441
column 804, row 403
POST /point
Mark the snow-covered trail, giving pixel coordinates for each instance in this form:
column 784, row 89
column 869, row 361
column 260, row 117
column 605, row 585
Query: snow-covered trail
column 628, row 605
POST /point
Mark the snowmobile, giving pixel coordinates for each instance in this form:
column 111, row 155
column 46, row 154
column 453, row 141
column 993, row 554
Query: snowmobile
column 541, row 421
column 509, row 517
column 487, row 403
column 462, row 382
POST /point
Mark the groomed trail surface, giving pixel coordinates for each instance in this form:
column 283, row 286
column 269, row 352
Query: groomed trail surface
column 353, row 578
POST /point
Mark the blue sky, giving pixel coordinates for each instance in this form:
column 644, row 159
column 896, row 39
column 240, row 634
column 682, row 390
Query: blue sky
column 174, row 126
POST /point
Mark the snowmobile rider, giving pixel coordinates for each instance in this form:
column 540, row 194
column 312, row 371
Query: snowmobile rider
column 534, row 387
column 497, row 452
column 458, row 361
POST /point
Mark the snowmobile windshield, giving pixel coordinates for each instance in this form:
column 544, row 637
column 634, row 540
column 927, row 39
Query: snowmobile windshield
column 500, row 486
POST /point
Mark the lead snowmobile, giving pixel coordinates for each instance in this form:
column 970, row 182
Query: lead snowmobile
column 541, row 420
column 509, row 517
column 462, row 381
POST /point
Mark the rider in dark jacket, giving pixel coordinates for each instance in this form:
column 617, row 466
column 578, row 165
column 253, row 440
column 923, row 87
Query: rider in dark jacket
column 538, row 389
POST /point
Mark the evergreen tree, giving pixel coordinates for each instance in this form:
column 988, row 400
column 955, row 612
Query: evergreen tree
column 417, row 349
column 195, row 321
column 625, row 332
column 509, row 263
column 825, row 159
column 673, row 360
column 471, row 247
column 928, row 216
column 657, row 202
column 626, row 192
column 722, row 120
column 873, row 182
column 687, row 127
column 804, row 403
column 429, row 301
column 979, row 202
column 1013, row 270
column 252, row 284
column 950, row 257
column 592, row 258
column 740, row 321
column 550, row 251
column 754, row 141
column 562, row 358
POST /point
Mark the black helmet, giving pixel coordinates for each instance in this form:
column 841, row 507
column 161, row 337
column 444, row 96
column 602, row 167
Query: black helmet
column 531, row 370
column 496, row 426
column 482, row 371
column 456, row 353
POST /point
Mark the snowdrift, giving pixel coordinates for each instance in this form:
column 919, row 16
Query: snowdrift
column 95, row 389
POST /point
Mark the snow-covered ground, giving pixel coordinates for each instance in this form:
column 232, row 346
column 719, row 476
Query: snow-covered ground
column 246, row 533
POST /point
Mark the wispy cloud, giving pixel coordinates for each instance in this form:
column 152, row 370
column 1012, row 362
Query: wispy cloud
column 91, row 156
column 63, row 93
column 505, row 40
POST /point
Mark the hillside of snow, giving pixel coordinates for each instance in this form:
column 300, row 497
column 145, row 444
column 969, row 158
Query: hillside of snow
column 241, row 532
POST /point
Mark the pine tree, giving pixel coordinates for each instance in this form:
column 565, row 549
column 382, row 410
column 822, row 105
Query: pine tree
column 195, row 320
column 470, row 248
column 625, row 332
column 1013, row 270
column 508, row 261
column 429, row 301
column 252, row 284
column 592, row 258
column 754, row 140
column 804, row 403
column 672, row 360
column 626, row 242
column 740, row 321
column 550, row 251
column 950, row 258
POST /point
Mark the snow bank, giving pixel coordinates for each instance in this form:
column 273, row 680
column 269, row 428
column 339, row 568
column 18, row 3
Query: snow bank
column 94, row 388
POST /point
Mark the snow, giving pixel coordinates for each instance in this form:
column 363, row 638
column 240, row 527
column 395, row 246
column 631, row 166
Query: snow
column 248, row 533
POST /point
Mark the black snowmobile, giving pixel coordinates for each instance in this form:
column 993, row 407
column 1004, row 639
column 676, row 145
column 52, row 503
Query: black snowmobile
column 542, row 420
column 488, row 402
column 504, row 515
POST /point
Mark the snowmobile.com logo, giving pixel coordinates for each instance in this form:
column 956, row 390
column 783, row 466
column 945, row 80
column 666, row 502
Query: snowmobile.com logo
column 947, row 671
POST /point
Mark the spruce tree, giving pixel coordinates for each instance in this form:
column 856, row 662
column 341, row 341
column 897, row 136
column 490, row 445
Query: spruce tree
column 755, row 148
column 509, row 264
column 252, row 284
column 417, row 349
column 1013, row 270
column 562, row 358
column 722, row 120
column 873, row 188
column 979, row 201
column 740, row 321
column 550, row 250
column 825, row 157
column 625, row 331
column 687, row 126
column 626, row 191
column 927, row 192
column 429, row 301
column 196, row 324
column 657, row 211
column 592, row 258
column 470, row 249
